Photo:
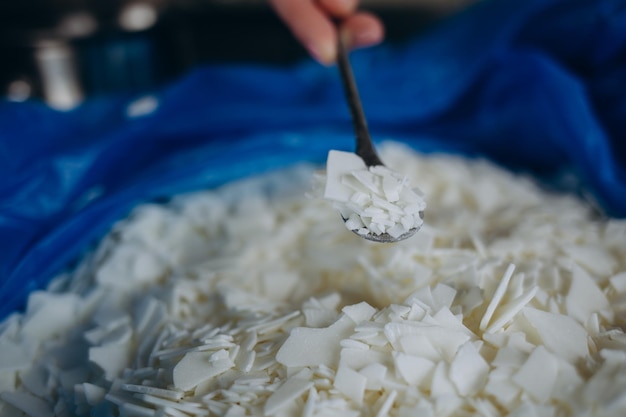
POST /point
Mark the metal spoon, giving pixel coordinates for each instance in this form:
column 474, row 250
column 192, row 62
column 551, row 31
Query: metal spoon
column 364, row 146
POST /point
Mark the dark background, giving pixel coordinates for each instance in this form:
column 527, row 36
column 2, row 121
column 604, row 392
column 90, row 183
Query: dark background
column 66, row 50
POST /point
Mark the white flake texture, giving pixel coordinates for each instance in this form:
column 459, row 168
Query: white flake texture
column 253, row 300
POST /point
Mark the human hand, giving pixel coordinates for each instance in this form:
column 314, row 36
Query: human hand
column 311, row 22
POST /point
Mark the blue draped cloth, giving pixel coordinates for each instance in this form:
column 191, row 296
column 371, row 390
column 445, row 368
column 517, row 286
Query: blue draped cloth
column 535, row 85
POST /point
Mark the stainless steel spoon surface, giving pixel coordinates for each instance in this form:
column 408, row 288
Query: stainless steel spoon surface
column 364, row 145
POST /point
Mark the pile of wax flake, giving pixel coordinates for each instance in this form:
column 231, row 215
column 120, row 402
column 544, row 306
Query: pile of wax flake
column 253, row 300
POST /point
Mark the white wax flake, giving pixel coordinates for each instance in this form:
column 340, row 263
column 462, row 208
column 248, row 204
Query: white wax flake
column 511, row 309
column 288, row 392
column 387, row 404
column 530, row 409
column 414, row 370
column 94, row 394
column 446, row 341
column 248, row 300
column 359, row 312
column 424, row 297
column 8, row 380
column 354, row 222
column 264, row 327
column 353, row 344
column 35, row 380
column 360, row 358
column 509, row 357
column 133, row 261
column 538, row 375
column 311, row 347
column 350, row 383
column 618, row 282
column 596, row 259
column 330, row 301
column 445, row 318
column 309, row 406
column 158, row 392
column 369, row 180
column 446, row 405
column 49, row 314
column 501, row 386
column 184, row 408
column 441, row 383
column 374, row 374
column 469, row 370
column 497, row 297
column 318, row 317
column 372, row 200
column 29, row 404
column 568, row 381
column 584, row 296
column 112, row 359
column 443, row 296
column 560, row 334
column 197, row 367
column 278, row 285
column 419, row 345
column 338, row 165
column 14, row 356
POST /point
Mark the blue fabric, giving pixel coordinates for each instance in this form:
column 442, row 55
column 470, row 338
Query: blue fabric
column 538, row 85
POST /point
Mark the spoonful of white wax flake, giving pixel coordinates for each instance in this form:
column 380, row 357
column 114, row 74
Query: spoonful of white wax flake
column 375, row 202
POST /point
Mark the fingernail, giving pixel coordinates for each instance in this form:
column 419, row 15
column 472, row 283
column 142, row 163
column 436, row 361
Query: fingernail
column 324, row 53
column 365, row 37
column 347, row 5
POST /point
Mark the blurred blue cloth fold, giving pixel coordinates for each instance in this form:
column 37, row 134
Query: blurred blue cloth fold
column 538, row 86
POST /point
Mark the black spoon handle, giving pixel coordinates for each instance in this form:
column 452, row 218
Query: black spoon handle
column 364, row 146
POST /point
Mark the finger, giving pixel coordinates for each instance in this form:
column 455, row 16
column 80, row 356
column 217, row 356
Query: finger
column 338, row 8
column 311, row 26
column 363, row 29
